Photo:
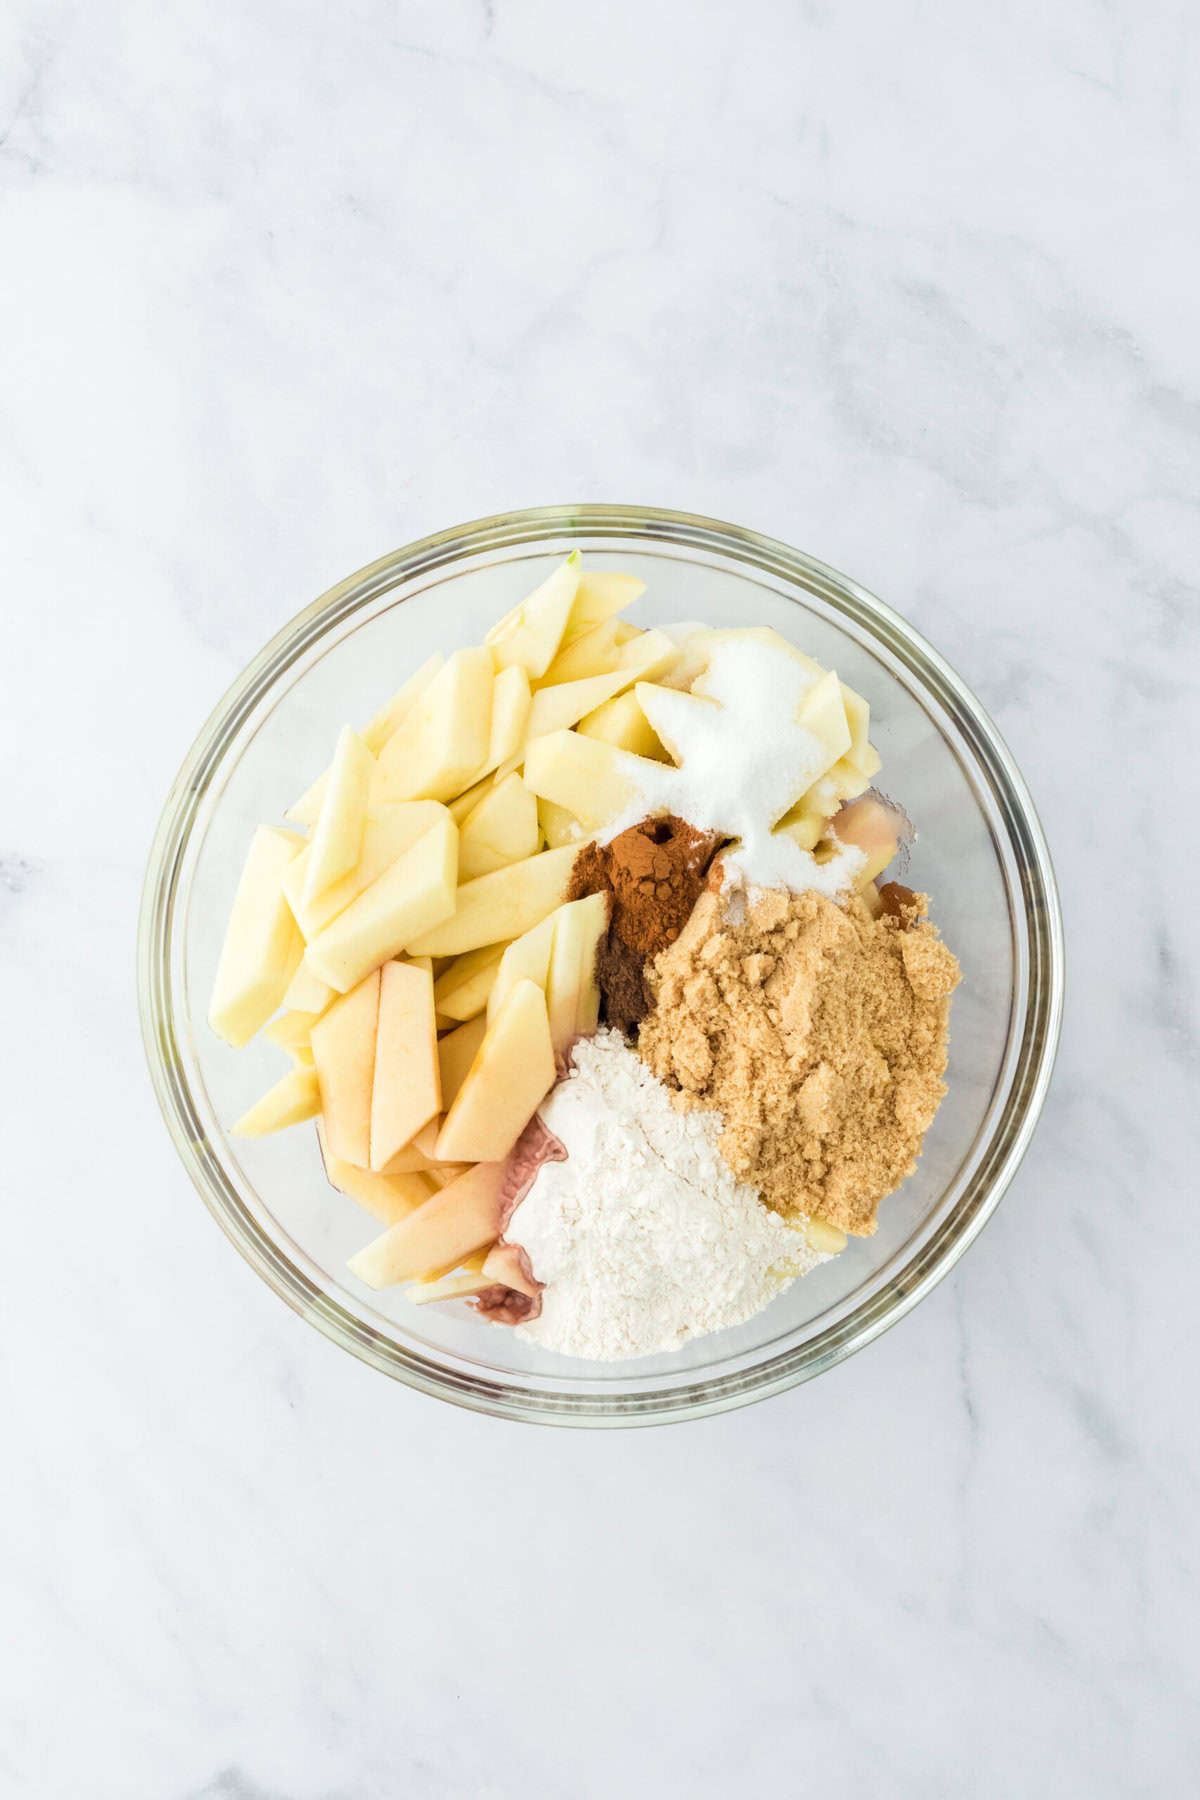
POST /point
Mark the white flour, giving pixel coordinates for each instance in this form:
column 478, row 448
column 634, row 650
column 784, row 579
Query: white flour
column 643, row 1236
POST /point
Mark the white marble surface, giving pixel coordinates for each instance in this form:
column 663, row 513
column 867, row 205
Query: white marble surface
column 913, row 287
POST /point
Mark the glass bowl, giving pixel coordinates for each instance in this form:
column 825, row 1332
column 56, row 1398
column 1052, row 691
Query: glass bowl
column 980, row 854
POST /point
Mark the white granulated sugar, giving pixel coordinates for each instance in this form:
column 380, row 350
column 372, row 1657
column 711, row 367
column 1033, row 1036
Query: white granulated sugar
column 643, row 1236
column 744, row 760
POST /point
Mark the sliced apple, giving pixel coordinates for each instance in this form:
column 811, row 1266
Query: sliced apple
column 296, row 1098
column 600, row 594
column 307, row 809
column 469, row 799
column 386, row 720
column 494, row 908
column 307, row 993
column 558, row 826
column 558, row 707
column 501, row 829
column 588, row 777
column 387, row 1198
column 406, row 1087
column 526, row 959
column 622, row 723
column 426, row 1140
column 441, row 742
column 405, row 903
column 648, row 656
column 530, row 635
column 461, row 1286
column 338, row 837
column 511, row 703
column 391, row 829
column 871, row 828
column 572, row 996
column 512, row 1073
column 291, row 1030
column 343, row 1044
column 596, row 652
column 674, row 715
column 823, row 713
column 806, row 822
column 456, row 1052
column 262, row 947
column 462, row 1217
column 461, row 992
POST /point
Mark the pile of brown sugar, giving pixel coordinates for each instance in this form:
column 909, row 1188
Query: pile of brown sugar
column 653, row 872
column 819, row 1033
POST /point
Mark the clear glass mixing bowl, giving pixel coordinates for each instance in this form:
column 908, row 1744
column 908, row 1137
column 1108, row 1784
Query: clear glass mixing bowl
column 980, row 854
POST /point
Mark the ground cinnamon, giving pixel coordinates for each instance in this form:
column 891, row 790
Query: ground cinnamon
column 653, row 873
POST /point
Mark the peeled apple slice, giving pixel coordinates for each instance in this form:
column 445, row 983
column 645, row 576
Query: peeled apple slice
column 589, row 778
column 343, row 1046
column 291, row 1101
column 511, row 1075
column 572, row 996
column 501, row 829
column 526, row 959
column 495, row 908
column 262, row 947
column 622, row 723
column 461, row 991
column 530, row 635
column 338, row 838
column 871, row 828
column 442, row 741
column 456, row 1052
column 406, row 1086
column 415, row 894
column 391, row 829
column 600, row 594
column 463, row 1217
column 387, row 1198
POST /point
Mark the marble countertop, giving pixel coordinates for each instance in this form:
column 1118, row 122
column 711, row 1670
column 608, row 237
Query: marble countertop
column 913, row 288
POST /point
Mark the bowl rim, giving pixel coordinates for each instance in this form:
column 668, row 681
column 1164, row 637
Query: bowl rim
column 1001, row 1154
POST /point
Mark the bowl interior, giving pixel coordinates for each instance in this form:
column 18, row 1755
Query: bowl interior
column 275, row 733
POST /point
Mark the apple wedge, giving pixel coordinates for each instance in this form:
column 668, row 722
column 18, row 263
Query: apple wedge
column 460, row 1286
column 441, row 742
column 589, row 778
column 307, row 993
column 456, row 1052
column 558, row 826
column 622, row 723
column 595, row 652
column 572, row 996
column 511, row 702
column 526, row 959
column 406, row 1086
column 494, row 908
column 387, row 1198
column 559, row 707
column 296, row 1098
column 600, row 594
column 388, row 718
column 337, row 839
column 307, row 809
column 512, row 1073
column 871, row 828
column 392, row 828
column 462, row 1217
column 461, row 991
column 291, row 1030
column 408, row 901
column 823, row 712
column 343, row 1045
column 262, row 947
column 501, row 829
column 529, row 636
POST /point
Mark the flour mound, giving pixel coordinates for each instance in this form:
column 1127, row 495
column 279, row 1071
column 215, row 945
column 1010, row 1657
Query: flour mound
column 643, row 1237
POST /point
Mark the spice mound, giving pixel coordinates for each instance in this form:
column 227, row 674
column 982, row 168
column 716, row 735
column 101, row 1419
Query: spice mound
column 654, row 872
column 818, row 1032
column 642, row 1237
